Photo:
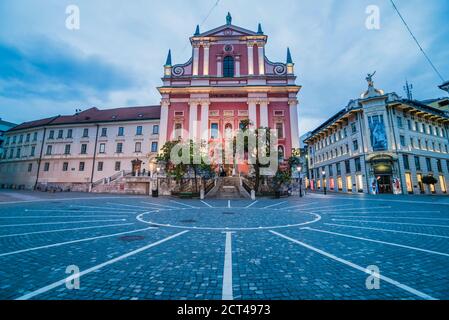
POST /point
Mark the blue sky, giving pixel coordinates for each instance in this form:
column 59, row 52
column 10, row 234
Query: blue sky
column 116, row 58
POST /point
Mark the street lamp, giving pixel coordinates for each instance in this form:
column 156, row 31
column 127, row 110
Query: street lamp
column 156, row 193
column 299, row 168
column 324, row 181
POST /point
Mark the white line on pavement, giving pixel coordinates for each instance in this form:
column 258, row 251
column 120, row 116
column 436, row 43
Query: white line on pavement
column 357, row 267
column 377, row 217
column 160, row 205
column 206, row 204
column 64, row 199
column 274, row 205
column 127, row 205
column 298, row 206
column 398, row 223
column 71, row 242
column 183, row 204
column 67, row 216
column 386, row 230
column 68, row 229
column 227, row 293
column 102, row 208
column 78, row 211
column 376, row 209
column 95, row 268
column 378, row 241
column 64, row 222
column 250, row 205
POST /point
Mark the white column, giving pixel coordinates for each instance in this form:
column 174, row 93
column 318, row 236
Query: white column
column 264, row 113
column 261, row 55
column 206, row 59
column 193, row 121
column 252, row 112
column 163, row 125
column 250, row 58
column 237, row 66
column 219, row 67
column 196, row 56
column 294, row 123
column 205, row 120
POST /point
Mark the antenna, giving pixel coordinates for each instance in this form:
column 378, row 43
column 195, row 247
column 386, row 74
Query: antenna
column 408, row 90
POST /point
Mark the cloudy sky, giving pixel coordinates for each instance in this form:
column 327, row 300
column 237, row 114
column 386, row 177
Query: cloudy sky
column 116, row 57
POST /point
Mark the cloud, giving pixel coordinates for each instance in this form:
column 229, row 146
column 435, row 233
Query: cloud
column 46, row 69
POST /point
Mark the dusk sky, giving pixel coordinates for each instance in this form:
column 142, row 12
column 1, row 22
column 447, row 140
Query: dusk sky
column 116, row 57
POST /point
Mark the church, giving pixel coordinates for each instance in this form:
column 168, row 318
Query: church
column 228, row 79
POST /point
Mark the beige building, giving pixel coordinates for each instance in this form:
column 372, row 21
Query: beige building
column 72, row 152
column 381, row 143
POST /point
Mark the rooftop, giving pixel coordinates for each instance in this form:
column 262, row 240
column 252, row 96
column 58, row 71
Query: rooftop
column 95, row 115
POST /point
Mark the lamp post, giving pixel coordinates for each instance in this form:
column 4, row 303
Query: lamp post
column 299, row 168
column 324, row 181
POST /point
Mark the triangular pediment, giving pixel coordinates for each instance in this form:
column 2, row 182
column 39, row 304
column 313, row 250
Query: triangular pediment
column 228, row 30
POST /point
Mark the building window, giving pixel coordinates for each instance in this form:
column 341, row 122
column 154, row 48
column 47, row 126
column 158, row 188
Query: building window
column 154, row 147
column 117, row 166
column 439, row 166
column 280, row 130
column 347, row 166
column 358, row 166
column 51, row 134
column 417, row 164
column 228, row 67
column 104, row 132
column 338, row 165
column 412, row 143
column 155, row 129
column 355, row 145
column 429, row 164
column 86, row 133
column 102, row 148
column 35, row 136
column 30, row 167
column 409, row 125
column 400, row 124
column 67, row 149
column 214, row 131
column 27, row 139
column 82, row 165
column 139, row 130
column 33, row 151
column 100, row 166
column 119, row 148
column 84, row 148
column 49, row 149
column 47, row 166
column 178, row 131
column 138, row 147
column 406, row 162
column 19, row 150
column 402, row 139
column 353, row 128
column 60, row 134
column 121, row 131
column 69, row 134
column 65, row 166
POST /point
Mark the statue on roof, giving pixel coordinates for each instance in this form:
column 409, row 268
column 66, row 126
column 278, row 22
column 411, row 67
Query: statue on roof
column 369, row 79
column 229, row 19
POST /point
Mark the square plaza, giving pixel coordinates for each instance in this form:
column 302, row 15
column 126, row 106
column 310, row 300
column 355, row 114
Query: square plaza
column 132, row 247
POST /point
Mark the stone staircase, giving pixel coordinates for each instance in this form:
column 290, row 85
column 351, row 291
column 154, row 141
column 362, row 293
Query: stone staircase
column 228, row 188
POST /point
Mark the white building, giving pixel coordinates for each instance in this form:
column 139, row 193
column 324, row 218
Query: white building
column 381, row 143
column 72, row 152
column 4, row 126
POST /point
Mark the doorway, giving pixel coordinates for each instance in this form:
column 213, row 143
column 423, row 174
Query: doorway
column 136, row 166
column 384, row 183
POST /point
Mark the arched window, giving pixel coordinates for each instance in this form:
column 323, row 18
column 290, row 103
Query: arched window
column 281, row 152
column 228, row 67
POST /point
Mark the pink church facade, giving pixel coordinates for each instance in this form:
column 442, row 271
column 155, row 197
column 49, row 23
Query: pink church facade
column 229, row 79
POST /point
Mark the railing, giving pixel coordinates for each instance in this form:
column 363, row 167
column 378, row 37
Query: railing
column 210, row 184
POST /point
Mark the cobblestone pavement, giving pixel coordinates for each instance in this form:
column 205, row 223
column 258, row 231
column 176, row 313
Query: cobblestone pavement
column 133, row 247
